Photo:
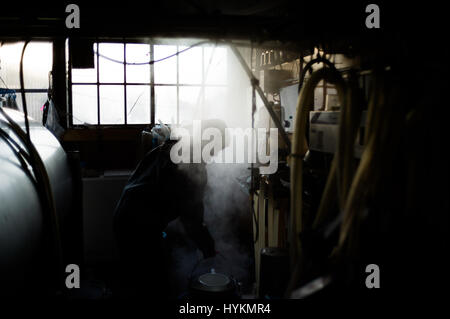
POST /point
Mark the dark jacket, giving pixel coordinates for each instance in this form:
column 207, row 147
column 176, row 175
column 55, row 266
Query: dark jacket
column 158, row 192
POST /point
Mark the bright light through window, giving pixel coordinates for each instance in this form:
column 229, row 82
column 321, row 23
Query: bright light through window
column 175, row 88
column 37, row 63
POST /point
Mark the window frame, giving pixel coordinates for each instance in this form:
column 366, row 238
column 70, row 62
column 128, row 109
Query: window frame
column 20, row 91
column 152, row 85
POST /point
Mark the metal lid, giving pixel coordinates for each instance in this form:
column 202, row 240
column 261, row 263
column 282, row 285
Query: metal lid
column 213, row 282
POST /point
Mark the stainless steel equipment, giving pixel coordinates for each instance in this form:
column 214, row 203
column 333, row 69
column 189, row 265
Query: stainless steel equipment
column 24, row 256
column 323, row 132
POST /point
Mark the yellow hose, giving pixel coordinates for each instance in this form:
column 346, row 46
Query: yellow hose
column 299, row 147
column 349, row 123
column 382, row 126
column 343, row 165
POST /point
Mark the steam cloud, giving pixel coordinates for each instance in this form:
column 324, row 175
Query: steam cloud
column 227, row 211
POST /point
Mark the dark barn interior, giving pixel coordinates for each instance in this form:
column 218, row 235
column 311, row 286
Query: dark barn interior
column 341, row 177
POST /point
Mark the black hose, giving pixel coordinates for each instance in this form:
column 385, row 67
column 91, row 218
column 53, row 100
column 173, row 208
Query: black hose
column 308, row 67
column 22, row 90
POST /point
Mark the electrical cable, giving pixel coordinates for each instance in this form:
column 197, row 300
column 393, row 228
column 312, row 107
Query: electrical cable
column 155, row 61
column 152, row 61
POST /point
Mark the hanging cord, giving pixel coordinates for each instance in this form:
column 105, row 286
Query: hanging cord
column 152, row 61
column 22, row 90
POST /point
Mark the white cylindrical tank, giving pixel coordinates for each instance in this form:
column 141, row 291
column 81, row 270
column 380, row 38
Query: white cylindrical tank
column 25, row 240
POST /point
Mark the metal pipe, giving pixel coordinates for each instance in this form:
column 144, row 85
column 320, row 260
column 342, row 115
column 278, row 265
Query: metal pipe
column 255, row 83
